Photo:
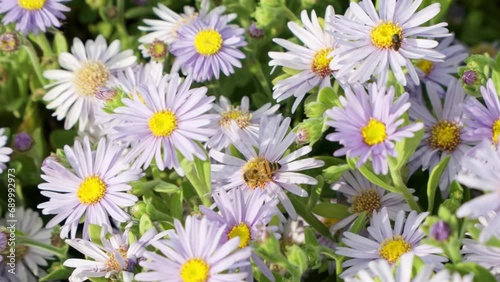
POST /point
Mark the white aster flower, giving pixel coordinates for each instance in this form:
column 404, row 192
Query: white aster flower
column 165, row 29
column 267, row 168
column 388, row 242
column 172, row 117
column 94, row 186
column 381, row 271
column 29, row 260
column 364, row 196
column 194, row 253
column 114, row 259
column 86, row 69
column 248, row 122
column 4, row 151
column 312, row 61
column 374, row 42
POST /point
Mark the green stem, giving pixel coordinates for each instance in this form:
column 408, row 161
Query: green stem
column 120, row 6
column 338, row 269
column 35, row 62
column 289, row 14
column 202, row 191
column 59, row 252
column 43, row 43
column 259, row 73
column 401, row 187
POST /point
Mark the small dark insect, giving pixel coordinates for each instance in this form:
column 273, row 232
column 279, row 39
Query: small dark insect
column 396, row 42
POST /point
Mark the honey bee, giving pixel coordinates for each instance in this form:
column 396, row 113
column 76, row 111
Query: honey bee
column 396, row 42
column 259, row 172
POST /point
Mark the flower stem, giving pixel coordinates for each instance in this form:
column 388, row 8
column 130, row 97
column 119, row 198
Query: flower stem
column 289, row 14
column 401, row 187
column 35, row 62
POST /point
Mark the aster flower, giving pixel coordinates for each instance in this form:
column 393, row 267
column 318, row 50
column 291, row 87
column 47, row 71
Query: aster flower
column 204, row 48
column 312, row 61
column 33, row 16
column 94, row 185
column 114, row 257
column 171, row 118
column 483, row 122
column 267, row 169
column 484, row 255
column 166, row 29
column 368, row 125
column 247, row 122
column 194, row 253
column 481, row 171
column 381, row 270
column 244, row 217
column 87, row 69
column 29, row 259
column 364, row 196
column 387, row 242
column 442, row 72
column 374, row 42
column 4, row 151
column 443, row 132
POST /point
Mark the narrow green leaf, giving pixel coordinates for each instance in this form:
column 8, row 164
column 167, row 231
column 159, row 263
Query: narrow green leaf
column 308, row 216
column 95, row 233
column 331, row 210
column 372, row 177
column 145, row 224
column 57, row 272
column 176, row 205
column 434, row 178
column 407, row 147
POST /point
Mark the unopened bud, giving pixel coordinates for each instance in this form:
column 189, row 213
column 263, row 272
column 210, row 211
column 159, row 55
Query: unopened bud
column 440, row 231
column 158, row 50
column 23, row 142
column 255, row 32
column 9, row 42
column 469, row 77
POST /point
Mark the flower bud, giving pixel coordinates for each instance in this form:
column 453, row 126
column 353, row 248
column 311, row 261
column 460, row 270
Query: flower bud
column 23, row 142
column 264, row 17
column 255, row 32
column 158, row 50
column 469, row 77
column 9, row 42
column 440, row 231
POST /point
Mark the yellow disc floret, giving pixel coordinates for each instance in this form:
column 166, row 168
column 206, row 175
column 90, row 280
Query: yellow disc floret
column 321, row 62
column 90, row 77
column 31, row 4
column 195, row 270
column 374, row 132
column 112, row 263
column 425, row 65
column 208, row 42
column 392, row 249
column 258, row 172
column 163, row 123
column 91, row 190
column 241, row 230
column 382, row 35
column 495, row 130
column 445, row 136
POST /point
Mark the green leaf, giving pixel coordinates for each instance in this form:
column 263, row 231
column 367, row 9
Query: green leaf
column 297, row 257
column 60, row 44
column 57, row 272
column 59, row 138
column 358, row 223
column 334, row 173
column 176, row 205
column 407, row 147
column 329, row 97
column 145, row 224
column 308, row 216
column 310, row 237
column 372, row 177
column 480, row 273
column 331, row 210
column 434, row 178
column 165, row 187
column 95, row 233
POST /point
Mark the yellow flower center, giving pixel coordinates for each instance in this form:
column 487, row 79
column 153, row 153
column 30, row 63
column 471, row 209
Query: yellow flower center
column 91, row 190
column 496, row 131
column 382, row 35
column 195, row 270
column 259, row 171
column 392, row 249
column 208, row 42
column 163, row 123
column 31, row 4
column 374, row 132
column 445, row 136
column 90, row 77
column 368, row 200
column 112, row 263
column 158, row 49
column 241, row 230
column 321, row 63
column 242, row 118
column 425, row 65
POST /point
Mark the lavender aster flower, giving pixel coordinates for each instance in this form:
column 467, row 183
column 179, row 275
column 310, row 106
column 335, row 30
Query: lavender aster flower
column 205, row 48
column 374, row 42
column 95, row 186
column 312, row 61
column 369, row 123
column 444, row 134
column 33, row 15
column 194, row 253
column 483, row 122
column 244, row 217
column 172, row 117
